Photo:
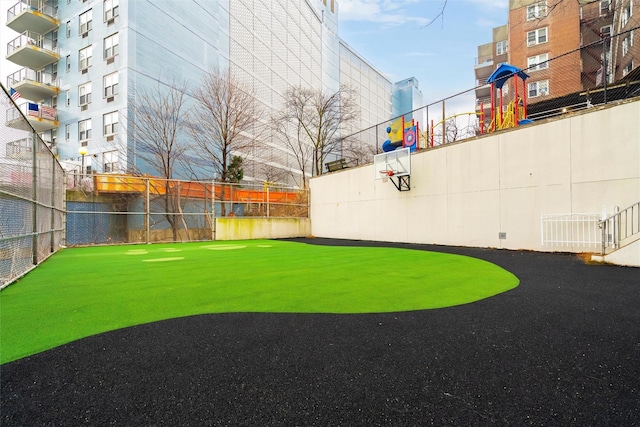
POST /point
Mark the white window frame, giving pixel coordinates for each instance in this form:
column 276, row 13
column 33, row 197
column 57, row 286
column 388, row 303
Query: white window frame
column 629, row 67
column 605, row 7
column 537, row 10
column 67, row 100
column 85, row 22
column 84, row 131
column 538, row 62
column 110, row 161
column 68, row 29
column 539, row 88
column 540, row 36
column 67, row 132
column 627, row 13
column 68, row 63
column 110, row 84
column 501, row 47
column 110, row 46
column 84, row 57
column 110, row 123
column 84, row 94
column 111, row 10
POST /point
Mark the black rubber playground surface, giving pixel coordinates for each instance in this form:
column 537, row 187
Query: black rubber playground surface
column 563, row 348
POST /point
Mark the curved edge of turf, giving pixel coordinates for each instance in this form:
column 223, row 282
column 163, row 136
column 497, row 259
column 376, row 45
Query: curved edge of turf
column 259, row 276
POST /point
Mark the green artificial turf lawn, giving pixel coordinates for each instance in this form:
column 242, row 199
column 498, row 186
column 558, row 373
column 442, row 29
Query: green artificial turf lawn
column 84, row 291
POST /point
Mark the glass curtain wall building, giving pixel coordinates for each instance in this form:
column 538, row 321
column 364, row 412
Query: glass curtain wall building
column 92, row 58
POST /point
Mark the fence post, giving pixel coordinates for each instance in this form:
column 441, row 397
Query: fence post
column 268, row 200
column 34, row 198
column 147, row 217
column 444, row 124
column 53, row 204
column 213, row 210
column 616, row 226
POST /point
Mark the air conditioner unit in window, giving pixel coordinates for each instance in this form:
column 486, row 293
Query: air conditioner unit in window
column 110, row 138
column 110, row 99
column 84, row 70
column 111, row 59
column 84, row 107
column 85, row 34
column 111, row 21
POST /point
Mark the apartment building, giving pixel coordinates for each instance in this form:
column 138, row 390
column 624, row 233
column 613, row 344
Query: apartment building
column 490, row 56
column 83, row 61
column 590, row 42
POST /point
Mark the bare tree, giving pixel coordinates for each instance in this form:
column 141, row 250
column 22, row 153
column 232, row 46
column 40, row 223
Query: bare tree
column 287, row 125
column 157, row 130
column 224, row 122
column 314, row 120
column 226, row 119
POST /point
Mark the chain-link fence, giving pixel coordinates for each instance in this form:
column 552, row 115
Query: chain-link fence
column 31, row 195
column 109, row 208
column 597, row 73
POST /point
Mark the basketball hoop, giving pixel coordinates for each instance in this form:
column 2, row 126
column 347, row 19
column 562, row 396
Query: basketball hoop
column 385, row 174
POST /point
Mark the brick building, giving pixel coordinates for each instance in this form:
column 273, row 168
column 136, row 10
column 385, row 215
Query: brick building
column 585, row 42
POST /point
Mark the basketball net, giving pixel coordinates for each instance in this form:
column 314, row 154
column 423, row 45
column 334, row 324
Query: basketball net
column 385, row 175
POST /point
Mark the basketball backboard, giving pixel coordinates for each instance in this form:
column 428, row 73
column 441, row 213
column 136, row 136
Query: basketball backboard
column 398, row 162
column 395, row 166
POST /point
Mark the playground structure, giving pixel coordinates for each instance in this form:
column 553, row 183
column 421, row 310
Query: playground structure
column 515, row 112
column 508, row 109
column 402, row 134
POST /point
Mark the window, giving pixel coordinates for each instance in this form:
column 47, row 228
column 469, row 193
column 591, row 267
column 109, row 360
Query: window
column 537, row 10
column 110, row 123
column 626, row 70
column 68, row 63
column 538, row 36
column 67, row 132
column 605, row 31
column 85, row 58
column 54, row 137
column 110, row 161
column 86, row 20
column 605, row 7
column 627, row 11
column 538, row 62
column 84, row 93
column 627, row 43
column 111, row 46
column 68, row 29
column 538, row 88
column 110, row 10
column 501, row 47
column 110, row 85
column 67, row 99
column 84, row 131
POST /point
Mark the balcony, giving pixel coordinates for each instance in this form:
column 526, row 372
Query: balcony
column 22, row 149
column 483, row 91
column 37, row 16
column 40, row 117
column 482, row 62
column 34, row 85
column 32, row 50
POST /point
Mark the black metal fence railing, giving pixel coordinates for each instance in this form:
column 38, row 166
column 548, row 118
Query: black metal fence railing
column 595, row 74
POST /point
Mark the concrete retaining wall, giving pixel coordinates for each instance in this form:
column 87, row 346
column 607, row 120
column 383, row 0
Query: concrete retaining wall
column 467, row 193
column 261, row 228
